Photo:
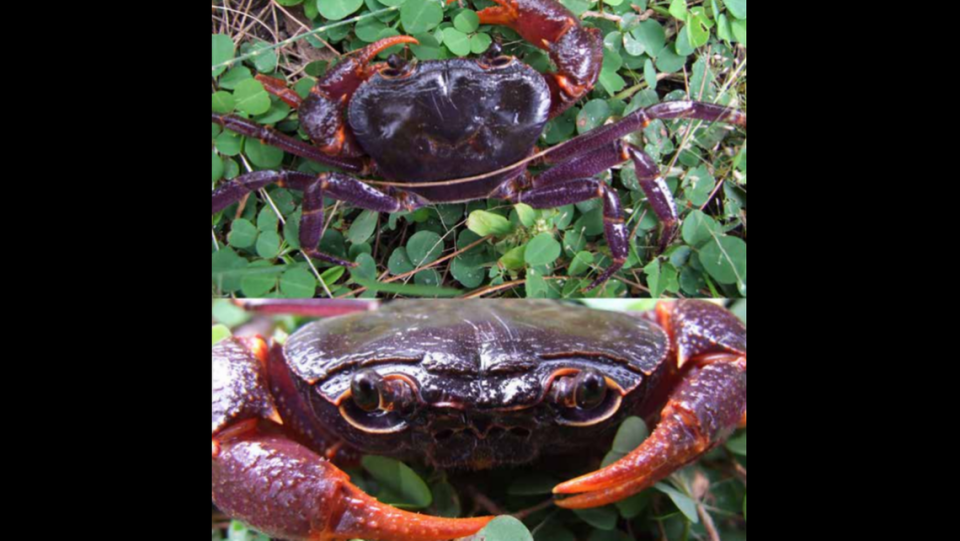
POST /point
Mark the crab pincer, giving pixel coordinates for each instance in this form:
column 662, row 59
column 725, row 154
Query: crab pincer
column 577, row 51
column 708, row 404
column 262, row 475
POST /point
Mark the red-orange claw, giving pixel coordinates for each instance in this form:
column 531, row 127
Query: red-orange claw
column 278, row 87
column 366, row 518
column 288, row 491
column 372, row 50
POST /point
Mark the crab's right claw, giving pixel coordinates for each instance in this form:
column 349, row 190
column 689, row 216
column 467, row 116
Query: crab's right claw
column 286, row 490
column 709, row 403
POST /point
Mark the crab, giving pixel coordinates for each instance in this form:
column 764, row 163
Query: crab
column 464, row 385
column 450, row 131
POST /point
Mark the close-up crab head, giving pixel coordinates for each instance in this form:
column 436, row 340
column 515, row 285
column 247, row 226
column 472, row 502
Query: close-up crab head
column 475, row 394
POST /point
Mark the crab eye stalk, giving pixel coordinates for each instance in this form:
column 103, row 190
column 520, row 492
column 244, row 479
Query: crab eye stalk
column 396, row 67
column 378, row 404
column 591, row 389
column 365, row 390
column 584, row 397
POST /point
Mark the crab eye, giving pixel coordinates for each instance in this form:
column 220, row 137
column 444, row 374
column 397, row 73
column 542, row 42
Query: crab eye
column 378, row 404
column 365, row 390
column 591, row 389
column 501, row 61
column 584, row 397
column 398, row 67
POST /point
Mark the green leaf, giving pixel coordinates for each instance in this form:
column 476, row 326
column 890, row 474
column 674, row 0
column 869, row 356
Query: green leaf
column 250, row 97
column 542, row 250
column 366, row 267
column 533, row 484
column 468, row 275
column 217, row 167
column 513, row 259
column 678, row 8
column 738, row 445
column 699, row 228
column 265, row 59
column 222, row 52
column 338, row 9
column 298, row 283
column 242, row 234
column 504, row 528
column 399, row 478
column 220, row 332
column 632, row 45
column 485, row 223
column 725, row 258
column 580, row 263
column 408, row 289
column 399, row 262
column 593, row 114
column 630, row 435
column 683, row 502
column 479, row 43
column 222, row 102
column 656, row 285
column 467, row 21
column 268, row 244
column 603, row 518
column 258, row 285
column 445, row 500
column 424, row 247
column 739, row 28
column 737, row 7
column 456, row 41
column 261, row 155
column 651, row 34
column 362, row 228
column 418, row 16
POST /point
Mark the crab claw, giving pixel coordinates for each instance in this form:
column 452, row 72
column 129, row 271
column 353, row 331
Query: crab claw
column 370, row 51
column 708, row 404
column 285, row 490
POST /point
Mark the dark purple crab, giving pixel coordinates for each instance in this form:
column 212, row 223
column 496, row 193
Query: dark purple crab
column 458, row 130
column 464, row 384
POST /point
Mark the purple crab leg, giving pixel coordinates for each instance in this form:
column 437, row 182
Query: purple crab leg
column 307, row 307
column 642, row 118
column 558, row 194
column 286, row 143
column 315, row 187
column 648, row 174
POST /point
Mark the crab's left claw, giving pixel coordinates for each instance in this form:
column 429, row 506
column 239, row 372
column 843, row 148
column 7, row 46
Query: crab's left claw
column 288, row 491
column 708, row 404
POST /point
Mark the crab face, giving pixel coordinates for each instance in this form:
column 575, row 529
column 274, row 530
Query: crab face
column 500, row 386
column 464, row 384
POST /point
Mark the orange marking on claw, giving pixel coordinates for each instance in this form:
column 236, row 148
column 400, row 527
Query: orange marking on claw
column 372, row 50
column 333, row 149
column 366, row 518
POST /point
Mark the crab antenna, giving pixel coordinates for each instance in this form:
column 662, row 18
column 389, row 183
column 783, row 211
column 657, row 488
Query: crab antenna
column 372, row 50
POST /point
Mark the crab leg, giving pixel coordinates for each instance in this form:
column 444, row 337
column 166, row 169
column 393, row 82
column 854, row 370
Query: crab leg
column 577, row 51
column 280, row 486
column 315, row 187
column 648, row 175
column 269, row 136
column 708, row 404
column 558, row 194
column 641, row 118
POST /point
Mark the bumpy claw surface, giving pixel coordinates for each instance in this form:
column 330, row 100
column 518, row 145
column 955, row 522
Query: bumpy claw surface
column 709, row 403
column 280, row 486
column 287, row 491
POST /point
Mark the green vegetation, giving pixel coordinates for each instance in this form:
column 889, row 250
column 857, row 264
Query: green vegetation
column 654, row 51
